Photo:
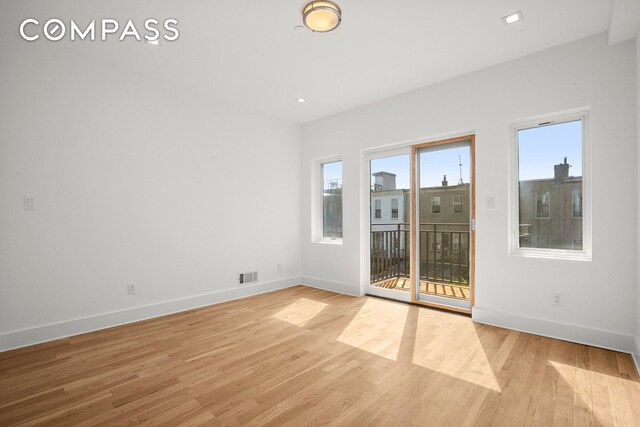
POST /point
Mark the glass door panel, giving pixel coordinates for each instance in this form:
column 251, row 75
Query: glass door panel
column 389, row 230
column 443, row 224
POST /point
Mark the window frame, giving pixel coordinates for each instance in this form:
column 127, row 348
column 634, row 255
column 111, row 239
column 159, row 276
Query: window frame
column 582, row 114
column 377, row 211
column 542, row 200
column 573, row 212
column 317, row 201
column 396, row 209
column 461, row 204
column 439, row 204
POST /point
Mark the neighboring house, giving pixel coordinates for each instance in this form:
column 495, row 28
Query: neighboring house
column 551, row 216
column 444, row 222
column 389, row 206
column 389, row 219
column 332, row 209
column 446, row 204
column 551, row 211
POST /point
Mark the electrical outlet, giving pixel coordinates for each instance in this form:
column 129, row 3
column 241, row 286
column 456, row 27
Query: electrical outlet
column 557, row 300
column 279, row 267
column 131, row 288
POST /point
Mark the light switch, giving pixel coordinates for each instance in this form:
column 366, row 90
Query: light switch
column 491, row 202
column 28, row 203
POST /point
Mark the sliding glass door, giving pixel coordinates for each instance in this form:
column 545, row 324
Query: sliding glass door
column 389, row 229
column 421, row 224
column 443, row 223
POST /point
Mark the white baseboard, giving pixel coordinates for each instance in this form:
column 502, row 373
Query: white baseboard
column 636, row 355
column 40, row 334
column 341, row 288
column 563, row 331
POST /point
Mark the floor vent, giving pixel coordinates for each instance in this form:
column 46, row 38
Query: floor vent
column 248, row 277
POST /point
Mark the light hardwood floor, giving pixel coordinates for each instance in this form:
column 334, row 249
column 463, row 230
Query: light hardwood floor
column 305, row 356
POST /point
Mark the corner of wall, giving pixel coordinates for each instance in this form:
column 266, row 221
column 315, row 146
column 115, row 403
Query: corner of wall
column 327, row 285
column 636, row 353
column 636, row 356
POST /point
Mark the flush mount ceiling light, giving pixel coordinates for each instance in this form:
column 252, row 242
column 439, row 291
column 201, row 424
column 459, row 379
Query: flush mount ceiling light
column 321, row 16
column 512, row 18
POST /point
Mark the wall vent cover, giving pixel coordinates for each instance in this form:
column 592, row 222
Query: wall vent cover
column 250, row 277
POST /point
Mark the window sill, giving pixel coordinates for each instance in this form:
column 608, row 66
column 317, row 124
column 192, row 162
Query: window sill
column 551, row 254
column 328, row 241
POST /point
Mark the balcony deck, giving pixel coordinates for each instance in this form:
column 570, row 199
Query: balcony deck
column 428, row 287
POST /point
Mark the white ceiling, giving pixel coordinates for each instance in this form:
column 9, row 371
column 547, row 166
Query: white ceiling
column 248, row 52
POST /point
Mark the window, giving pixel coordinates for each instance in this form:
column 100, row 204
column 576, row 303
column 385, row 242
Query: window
column 542, row 205
column 576, row 203
column 541, row 241
column 550, row 157
column 378, row 209
column 457, row 204
column 435, row 204
column 394, row 208
column 332, row 200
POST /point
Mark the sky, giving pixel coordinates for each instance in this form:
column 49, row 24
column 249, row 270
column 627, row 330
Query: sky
column 433, row 165
column 400, row 165
column 539, row 149
column 332, row 171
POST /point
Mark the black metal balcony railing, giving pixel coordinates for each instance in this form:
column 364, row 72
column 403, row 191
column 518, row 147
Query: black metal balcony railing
column 444, row 252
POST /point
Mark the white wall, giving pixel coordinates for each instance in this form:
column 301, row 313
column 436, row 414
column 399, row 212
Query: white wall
column 599, row 296
column 637, row 349
column 133, row 180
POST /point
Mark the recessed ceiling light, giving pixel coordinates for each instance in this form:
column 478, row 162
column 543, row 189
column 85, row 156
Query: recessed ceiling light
column 301, row 100
column 321, row 16
column 512, row 18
